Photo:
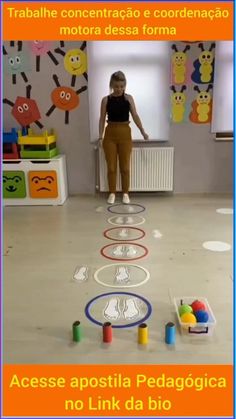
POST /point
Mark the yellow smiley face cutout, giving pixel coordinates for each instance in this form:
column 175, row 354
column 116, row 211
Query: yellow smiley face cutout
column 75, row 62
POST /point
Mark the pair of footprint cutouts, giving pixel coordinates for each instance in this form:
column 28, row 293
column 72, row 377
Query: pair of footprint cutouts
column 124, row 220
column 115, row 310
column 128, row 251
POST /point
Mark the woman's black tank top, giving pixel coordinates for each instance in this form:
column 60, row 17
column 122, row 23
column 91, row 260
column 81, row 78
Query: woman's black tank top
column 118, row 108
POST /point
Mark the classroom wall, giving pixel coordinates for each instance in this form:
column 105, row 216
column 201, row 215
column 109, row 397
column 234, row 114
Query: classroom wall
column 201, row 164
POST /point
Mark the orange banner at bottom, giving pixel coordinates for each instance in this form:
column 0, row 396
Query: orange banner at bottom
column 118, row 390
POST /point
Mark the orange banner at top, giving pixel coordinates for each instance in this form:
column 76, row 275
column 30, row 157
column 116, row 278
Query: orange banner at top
column 118, row 21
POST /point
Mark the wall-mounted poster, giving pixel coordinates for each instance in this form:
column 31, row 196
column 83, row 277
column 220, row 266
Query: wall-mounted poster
column 202, row 106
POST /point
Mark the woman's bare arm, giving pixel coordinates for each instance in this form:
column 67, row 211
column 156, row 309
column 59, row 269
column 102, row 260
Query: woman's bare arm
column 102, row 118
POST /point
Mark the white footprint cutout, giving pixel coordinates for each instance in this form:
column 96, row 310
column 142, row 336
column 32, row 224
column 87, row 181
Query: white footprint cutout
column 123, row 233
column 118, row 251
column 129, row 220
column 112, row 310
column 131, row 252
column 119, row 220
column 122, row 275
column 81, row 273
column 131, row 310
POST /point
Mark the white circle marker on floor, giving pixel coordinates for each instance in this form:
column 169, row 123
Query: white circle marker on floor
column 227, row 211
column 134, row 220
column 121, row 275
column 156, row 234
column 217, row 246
column 100, row 209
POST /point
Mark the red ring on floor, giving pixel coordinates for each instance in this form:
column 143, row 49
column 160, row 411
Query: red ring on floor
column 124, row 260
column 116, row 228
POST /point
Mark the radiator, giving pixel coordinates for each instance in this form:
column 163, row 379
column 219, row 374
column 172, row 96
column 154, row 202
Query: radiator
column 151, row 170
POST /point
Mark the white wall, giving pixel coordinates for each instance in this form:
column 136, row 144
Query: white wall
column 147, row 69
column 222, row 117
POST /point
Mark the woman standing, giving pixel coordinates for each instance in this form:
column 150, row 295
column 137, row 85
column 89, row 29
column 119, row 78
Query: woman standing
column 117, row 139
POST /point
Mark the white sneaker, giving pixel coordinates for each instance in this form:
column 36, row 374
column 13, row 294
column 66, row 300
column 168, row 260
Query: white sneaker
column 111, row 198
column 125, row 198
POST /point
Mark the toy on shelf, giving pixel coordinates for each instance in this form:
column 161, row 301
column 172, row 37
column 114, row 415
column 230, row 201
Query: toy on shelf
column 10, row 137
column 195, row 316
column 10, row 147
column 37, row 146
column 10, row 151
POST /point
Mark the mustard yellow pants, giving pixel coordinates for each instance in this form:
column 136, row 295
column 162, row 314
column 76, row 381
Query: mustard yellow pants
column 117, row 143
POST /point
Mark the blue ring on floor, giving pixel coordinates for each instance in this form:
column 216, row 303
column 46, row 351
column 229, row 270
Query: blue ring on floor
column 149, row 310
column 127, row 213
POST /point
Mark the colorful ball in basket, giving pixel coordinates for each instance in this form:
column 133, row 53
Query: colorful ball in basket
column 202, row 316
column 185, row 308
column 188, row 318
column 198, row 305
